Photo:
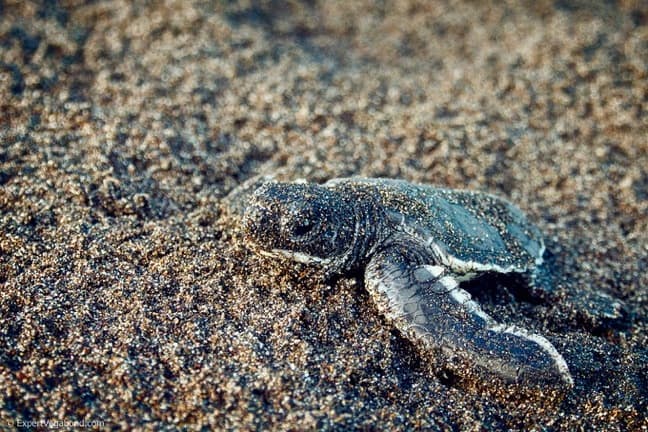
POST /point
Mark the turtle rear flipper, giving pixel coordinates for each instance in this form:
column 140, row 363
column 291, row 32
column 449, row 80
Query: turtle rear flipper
column 426, row 304
column 596, row 307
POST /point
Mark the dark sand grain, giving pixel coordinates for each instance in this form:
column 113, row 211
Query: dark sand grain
column 126, row 293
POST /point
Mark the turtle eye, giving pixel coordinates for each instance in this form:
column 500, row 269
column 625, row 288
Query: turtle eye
column 301, row 227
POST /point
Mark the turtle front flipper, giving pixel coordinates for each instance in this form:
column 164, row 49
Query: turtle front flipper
column 428, row 306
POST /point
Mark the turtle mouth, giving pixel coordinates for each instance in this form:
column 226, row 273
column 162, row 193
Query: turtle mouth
column 296, row 256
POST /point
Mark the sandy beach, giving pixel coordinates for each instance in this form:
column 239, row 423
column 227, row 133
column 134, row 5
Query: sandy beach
column 129, row 298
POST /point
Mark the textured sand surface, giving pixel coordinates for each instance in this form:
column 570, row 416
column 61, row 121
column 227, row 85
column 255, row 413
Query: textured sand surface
column 127, row 295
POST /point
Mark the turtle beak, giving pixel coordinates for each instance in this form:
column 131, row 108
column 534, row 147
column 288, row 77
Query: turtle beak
column 254, row 218
column 260, row 225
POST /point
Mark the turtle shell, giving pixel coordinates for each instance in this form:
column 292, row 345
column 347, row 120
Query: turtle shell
column 467, row 231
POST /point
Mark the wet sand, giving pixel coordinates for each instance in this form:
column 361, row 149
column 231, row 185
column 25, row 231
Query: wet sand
column 128, row 296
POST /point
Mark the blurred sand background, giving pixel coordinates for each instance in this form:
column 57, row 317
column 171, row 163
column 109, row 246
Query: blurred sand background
column 126, row 292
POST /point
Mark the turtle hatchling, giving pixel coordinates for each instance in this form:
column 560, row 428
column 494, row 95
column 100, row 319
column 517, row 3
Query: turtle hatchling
column 416, row 244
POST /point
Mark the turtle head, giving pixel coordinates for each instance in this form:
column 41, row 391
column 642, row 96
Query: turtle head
column 306, row 222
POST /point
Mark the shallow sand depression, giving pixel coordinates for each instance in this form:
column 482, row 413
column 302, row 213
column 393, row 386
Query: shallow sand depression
column 128, row 296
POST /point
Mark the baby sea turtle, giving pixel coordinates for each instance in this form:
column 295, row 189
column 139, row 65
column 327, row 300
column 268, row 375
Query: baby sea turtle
column 416, row 243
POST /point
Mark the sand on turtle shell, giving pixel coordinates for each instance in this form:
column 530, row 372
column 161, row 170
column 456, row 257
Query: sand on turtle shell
column 128, row 298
